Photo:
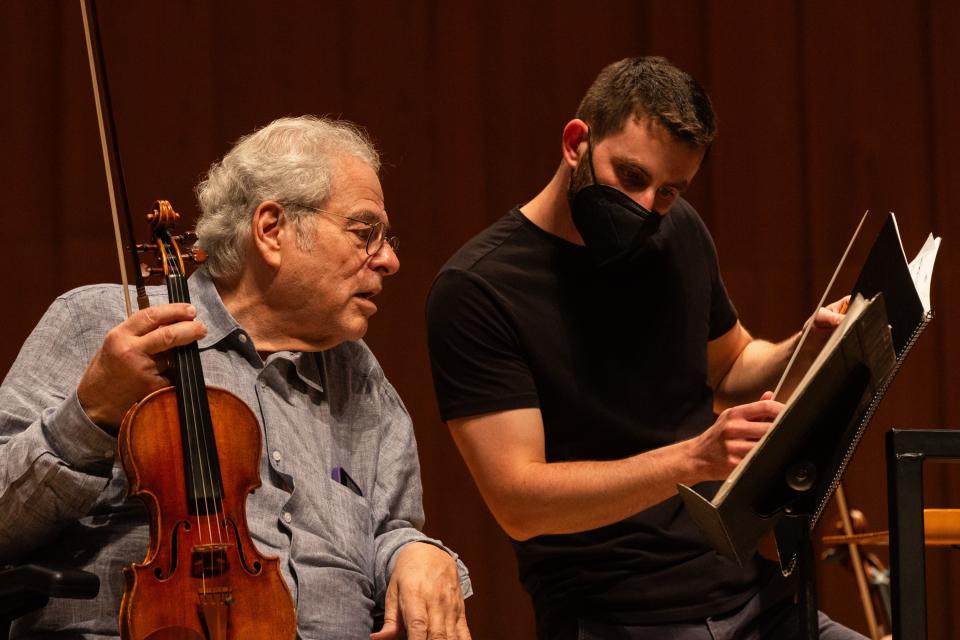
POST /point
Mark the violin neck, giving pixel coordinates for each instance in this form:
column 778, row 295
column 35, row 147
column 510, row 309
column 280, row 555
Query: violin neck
column 204, row 484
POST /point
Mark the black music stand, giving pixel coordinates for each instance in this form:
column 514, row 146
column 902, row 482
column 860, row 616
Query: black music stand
column 786, row 481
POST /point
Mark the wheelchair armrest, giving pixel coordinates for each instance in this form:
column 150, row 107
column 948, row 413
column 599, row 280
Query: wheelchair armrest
column 27, row 587
column 49, row 581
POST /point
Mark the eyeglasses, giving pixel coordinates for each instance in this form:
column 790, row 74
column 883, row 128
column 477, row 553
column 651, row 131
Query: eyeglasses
column 374, row 235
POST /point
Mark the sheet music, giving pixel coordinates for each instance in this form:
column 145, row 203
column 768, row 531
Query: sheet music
column 856, row 308
column 921, row 269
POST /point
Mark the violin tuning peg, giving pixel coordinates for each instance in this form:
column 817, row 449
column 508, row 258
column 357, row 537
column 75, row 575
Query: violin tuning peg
column 188, row 237
column 858, row 520
column 146, row 270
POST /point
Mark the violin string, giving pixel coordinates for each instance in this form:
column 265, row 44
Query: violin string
column 181, row 369
column 183, row 364
column 202, row 425
column 186, row 387
column 193, row 419
column 207, row 458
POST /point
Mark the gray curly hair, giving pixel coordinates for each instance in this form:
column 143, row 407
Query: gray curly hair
column 288, row 160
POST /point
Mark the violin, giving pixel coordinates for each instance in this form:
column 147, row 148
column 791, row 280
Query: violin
column 192, row 455
column 872, row 577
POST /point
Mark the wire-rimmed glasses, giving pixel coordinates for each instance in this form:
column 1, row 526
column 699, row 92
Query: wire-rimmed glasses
column 374, row 235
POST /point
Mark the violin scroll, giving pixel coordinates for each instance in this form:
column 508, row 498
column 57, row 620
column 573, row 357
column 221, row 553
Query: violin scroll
column 162, row 218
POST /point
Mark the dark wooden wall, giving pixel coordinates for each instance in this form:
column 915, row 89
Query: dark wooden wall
column 826, row 109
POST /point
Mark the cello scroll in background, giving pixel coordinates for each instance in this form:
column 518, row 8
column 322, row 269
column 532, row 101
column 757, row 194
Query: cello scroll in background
column 873, row 578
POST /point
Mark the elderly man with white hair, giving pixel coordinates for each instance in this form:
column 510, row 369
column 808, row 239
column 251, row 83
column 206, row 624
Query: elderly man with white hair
column 294, row 223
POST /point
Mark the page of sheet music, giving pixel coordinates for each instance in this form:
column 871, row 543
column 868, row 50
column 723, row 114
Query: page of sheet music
column 921, row 269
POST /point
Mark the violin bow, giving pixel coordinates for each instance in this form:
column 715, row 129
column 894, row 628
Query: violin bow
column 111, row 153
column 855, row 560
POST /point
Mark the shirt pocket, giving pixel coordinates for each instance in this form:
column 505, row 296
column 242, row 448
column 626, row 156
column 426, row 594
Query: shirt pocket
column 348, row 520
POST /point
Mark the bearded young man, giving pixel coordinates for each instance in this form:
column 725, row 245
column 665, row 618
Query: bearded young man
column 581, row 346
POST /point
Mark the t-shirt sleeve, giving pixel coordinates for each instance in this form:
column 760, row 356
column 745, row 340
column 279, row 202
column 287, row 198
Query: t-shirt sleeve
column 475, row 353
column 723, row 314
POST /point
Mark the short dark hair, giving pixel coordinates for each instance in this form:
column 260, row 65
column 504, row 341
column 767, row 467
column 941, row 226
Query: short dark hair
column 651, row 87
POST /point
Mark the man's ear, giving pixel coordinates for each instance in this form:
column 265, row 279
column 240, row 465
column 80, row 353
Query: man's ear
column 575, row 141
column 270, row 228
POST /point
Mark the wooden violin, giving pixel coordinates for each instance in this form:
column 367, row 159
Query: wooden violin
column 873, row 580
column 192, row 454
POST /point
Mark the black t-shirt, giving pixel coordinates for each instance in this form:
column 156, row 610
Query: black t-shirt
column 616, row 361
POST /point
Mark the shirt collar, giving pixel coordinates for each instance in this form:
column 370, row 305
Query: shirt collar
column 224, row 332
column 205, row 297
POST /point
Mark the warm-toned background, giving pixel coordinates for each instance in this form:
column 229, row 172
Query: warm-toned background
column 826, row 109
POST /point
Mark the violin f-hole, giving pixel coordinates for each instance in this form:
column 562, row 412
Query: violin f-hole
column 158, row 572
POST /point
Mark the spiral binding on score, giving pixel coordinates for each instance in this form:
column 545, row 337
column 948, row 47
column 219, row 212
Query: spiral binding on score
column 867, row 416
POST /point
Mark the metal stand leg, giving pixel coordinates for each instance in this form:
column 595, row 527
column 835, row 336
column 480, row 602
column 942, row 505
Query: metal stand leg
column 907, row 556
column 806, row 572
column 907, row 450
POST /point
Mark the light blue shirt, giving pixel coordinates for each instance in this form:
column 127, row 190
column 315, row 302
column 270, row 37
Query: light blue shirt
column 63, row 495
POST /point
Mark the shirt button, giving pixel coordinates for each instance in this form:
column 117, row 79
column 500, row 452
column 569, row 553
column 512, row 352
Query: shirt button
column 276, row 456
column 242, row 338
column 287, row 517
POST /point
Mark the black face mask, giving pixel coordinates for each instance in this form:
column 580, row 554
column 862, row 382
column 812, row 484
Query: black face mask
column 614, row 227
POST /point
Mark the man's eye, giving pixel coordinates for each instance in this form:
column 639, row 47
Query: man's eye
column 363, row 233
column 631, row 179
column 669, row 194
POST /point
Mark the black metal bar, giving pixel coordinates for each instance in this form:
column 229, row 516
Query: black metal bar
column 907, row 567
column 943, row 444
column 807, row 589
column 907, row 449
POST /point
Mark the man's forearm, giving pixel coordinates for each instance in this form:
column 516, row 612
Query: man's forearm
column 757, row 369
column 567, row 497
column 530, row 496
column 51, row 473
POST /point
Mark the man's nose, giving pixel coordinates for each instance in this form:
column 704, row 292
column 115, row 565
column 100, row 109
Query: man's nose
column 647, row 198
column 385, row 261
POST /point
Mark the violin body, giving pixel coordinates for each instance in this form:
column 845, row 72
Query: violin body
column 202, row 578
